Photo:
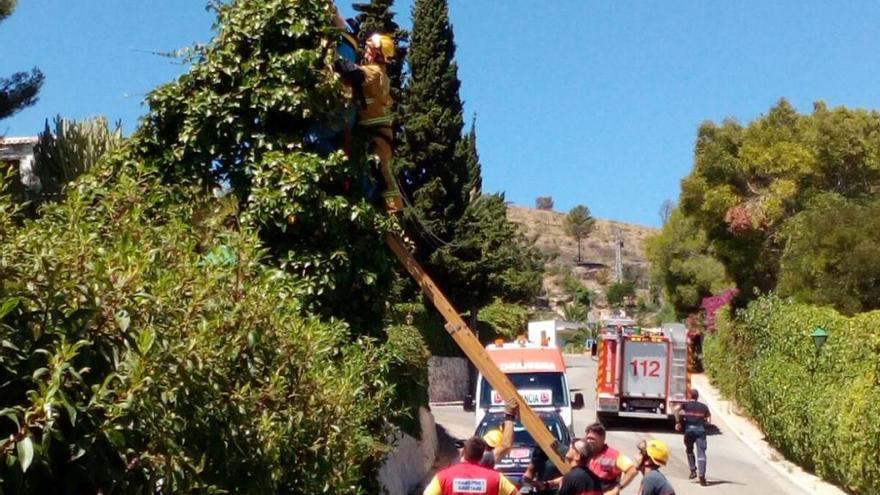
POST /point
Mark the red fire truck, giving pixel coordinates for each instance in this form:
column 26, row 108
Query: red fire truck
column 641, row 374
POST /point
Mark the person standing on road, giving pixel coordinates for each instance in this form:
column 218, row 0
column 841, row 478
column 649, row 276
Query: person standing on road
column 692, row 417
column 656, row 454
column 468, row 477
column 579, row 481
column 614, row 469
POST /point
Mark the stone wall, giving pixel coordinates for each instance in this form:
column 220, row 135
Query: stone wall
column 411, row 461
column 447, row 379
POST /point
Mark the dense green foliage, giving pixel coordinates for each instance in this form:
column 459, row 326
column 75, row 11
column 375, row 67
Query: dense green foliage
column 617, row 292
column 741, row 202
column 505, row 319
column 69, row 150
column 489, row 257
column 822, row 409
column 146, row 348
column 241, row 117
column 832, row 254
column 578, row 225
column 747, row 181
column 19, row 90
column 683, row 265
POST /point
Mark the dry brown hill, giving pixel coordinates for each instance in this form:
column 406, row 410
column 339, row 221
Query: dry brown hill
column 597, row 251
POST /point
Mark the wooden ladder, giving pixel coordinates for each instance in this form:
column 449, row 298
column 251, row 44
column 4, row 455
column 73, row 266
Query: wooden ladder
column 471, row 346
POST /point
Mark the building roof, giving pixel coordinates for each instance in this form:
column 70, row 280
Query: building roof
column 18, row 140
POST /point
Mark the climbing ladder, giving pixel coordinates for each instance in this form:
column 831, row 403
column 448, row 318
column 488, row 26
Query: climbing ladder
column 472, row 348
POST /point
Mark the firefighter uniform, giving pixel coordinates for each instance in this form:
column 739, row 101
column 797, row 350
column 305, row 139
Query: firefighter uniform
column 467, row 478
column 609, row 465
column 376, row 116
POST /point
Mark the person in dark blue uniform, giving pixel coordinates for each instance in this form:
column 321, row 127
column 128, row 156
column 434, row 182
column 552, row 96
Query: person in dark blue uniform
column 692, row 418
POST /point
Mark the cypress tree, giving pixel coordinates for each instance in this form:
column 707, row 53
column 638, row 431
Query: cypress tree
column 474, row 187
column 435, row 174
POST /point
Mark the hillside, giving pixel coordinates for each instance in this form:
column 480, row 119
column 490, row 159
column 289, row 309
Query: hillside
column 597, row 251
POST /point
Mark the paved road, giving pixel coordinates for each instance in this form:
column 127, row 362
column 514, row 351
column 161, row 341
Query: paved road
column 733, row 468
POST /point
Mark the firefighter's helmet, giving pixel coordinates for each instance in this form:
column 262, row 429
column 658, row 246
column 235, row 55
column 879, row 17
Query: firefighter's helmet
column 384, row 43
column 493, row 438
column 658, row 451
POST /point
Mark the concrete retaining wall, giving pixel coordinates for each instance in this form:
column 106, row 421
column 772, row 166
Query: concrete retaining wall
column 447, row 379
column 411, row 460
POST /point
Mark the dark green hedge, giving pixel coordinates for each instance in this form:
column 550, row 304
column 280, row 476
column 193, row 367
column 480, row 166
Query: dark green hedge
column 822, row 410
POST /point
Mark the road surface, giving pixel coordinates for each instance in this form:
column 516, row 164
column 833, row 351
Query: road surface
column 733, row 468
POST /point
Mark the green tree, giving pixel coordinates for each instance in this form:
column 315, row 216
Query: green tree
column 435, row 172
column 617, row 293
column 20, row 89
column 578, row 225
column 474, row 183
column 748, row 181
column 489, row 258
column 239, row 118
column 832, row 255
column 683, row 265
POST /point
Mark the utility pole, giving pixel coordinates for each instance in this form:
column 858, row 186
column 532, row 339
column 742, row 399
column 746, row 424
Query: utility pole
column 618, row 259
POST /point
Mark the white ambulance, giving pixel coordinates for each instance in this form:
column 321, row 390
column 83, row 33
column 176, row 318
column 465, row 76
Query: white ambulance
column 539, row 375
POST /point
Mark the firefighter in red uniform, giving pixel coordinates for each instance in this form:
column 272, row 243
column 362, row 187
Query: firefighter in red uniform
column 468, row 477
column 615, row 470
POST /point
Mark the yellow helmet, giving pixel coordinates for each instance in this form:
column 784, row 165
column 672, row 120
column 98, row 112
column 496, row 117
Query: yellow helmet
column 658, row 452
column 384, row 43
column 493, row 438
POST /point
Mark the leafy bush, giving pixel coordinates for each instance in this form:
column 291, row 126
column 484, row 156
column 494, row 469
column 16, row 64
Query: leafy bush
column 821, row 409
column 832, row 254
column 617, row 292
column 134, row 361
column 409, row 374
column 505, row 319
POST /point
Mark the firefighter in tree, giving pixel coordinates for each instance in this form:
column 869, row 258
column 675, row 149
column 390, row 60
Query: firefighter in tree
column 372, row 94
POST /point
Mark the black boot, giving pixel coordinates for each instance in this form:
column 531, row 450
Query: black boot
column 692, row 475
column 703, row 481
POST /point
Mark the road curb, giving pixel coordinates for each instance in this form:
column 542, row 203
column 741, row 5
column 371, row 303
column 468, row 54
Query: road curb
column 749, row 433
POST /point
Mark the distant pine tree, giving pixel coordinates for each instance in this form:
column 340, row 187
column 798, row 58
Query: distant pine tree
column 19, row 90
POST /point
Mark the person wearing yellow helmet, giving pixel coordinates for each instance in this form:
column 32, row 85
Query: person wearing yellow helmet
column 654, row 454
column 372, row 91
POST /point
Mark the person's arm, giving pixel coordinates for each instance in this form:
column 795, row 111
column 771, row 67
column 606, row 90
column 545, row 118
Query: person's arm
column 511, row 411
column 506, row 487
column 677, row 412
column 350, row 72
column 433, row 487
column 628, row 476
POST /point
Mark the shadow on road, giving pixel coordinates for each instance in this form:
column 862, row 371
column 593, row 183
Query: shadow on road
column 446, row 451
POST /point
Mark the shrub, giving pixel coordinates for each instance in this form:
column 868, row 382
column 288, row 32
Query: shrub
column 821, row 409
column 133, row 361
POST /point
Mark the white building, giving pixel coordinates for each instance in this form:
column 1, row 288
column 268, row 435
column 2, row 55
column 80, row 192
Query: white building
column 555, row 333
column 19, row 152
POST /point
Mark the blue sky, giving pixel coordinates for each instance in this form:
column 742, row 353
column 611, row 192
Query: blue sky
column 593, row 103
